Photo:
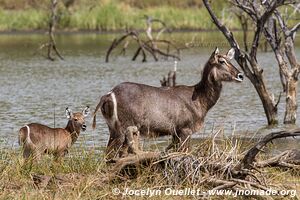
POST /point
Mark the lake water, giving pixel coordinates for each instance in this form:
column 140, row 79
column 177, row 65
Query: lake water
column 31, row 87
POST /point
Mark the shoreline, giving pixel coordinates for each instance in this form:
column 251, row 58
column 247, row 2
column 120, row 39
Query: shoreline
column 99, row 32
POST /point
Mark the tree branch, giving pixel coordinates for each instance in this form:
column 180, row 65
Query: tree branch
column 249, row 158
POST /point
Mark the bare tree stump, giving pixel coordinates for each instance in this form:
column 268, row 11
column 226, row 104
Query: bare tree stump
column 170, row 79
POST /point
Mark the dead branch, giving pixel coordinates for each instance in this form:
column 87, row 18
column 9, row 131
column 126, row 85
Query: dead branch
column 116, row 42
column 51, row 44
column 129, row 166
column 248, row 160
column 146, row 46
column 289, row 159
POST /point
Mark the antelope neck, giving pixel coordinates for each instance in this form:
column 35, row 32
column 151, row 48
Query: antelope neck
column 208, row 92
column 73, row 130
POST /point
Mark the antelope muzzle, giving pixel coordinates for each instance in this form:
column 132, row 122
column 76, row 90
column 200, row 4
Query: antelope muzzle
column 83, row 127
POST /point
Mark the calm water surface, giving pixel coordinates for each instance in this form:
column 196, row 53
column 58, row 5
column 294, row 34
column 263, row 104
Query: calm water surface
column 32, row 88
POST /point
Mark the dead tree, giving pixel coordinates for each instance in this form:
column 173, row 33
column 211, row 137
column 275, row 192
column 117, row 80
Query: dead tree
column 51, row 44
column 149, row 46
column 170, row 79
column 248, row 61
column 281, row 40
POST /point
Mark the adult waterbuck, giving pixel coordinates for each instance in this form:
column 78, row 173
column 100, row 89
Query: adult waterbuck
column 38, row 139
column 178, row 111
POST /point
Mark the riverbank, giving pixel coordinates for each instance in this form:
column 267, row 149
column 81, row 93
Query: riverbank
column 115, row 15
column 111, row 15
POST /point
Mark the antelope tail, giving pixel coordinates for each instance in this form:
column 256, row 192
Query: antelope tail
column 25, row 138
column 94, row 115
column 108, row 105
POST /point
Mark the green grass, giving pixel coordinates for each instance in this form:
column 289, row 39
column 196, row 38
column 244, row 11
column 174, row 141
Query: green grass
column 109, row 15
column 23, row 20
column 115, row 15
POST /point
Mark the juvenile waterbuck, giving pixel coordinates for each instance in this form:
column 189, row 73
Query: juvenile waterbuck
column 38, row 139
column 178, row 111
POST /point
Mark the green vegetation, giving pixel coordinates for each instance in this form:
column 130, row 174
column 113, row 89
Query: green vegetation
column 108, row 15
column 114, row 15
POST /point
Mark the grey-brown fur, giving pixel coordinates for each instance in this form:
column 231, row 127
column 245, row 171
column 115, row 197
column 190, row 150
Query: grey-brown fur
column 178, row 111
column 40, row 139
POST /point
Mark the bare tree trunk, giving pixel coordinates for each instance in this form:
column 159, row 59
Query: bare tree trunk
column 269, row 105
column 288, row 74
column 290, row 115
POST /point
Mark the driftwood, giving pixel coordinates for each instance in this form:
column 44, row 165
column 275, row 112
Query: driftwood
column 149, row 46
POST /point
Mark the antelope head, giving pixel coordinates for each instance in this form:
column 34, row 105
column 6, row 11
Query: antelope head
column 78, row 119
column 222, row 69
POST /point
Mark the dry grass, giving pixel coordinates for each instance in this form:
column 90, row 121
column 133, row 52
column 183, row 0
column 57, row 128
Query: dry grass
column 83, row 174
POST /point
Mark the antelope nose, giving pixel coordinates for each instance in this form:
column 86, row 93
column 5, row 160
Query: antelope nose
column 240, row 76
column 83, row 126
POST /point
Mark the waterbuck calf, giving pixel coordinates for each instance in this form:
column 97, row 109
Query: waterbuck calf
column 178, row 111
column 38, row 139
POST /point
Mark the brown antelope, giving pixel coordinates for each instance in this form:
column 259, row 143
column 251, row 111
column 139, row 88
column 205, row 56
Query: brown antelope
column 38, row 139
column 178, row 111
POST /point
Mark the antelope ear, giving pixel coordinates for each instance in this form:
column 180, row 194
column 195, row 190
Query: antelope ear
column 230, row 53
column 86, row 111
column 216, row 51
column 213, row 56
column 68, row 113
